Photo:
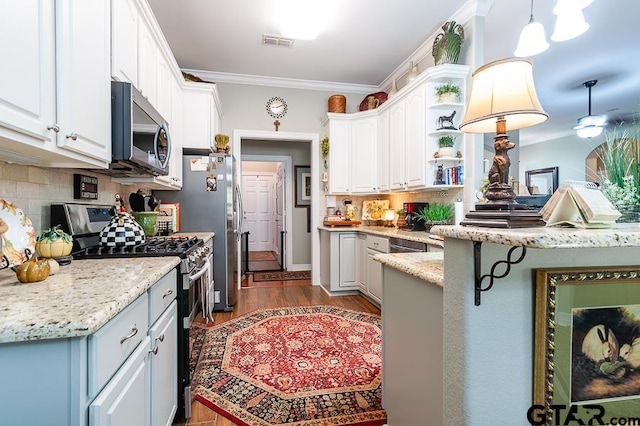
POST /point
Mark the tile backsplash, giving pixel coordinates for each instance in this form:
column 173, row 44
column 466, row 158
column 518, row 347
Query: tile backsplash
column 33, row 189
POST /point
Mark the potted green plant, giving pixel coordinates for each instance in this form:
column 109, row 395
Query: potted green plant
column 448, row 93
column 447, row 44
column 436, row 214
column 402, row 218
column 446, row 144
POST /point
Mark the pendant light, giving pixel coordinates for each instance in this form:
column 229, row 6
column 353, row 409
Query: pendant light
column 590, row 126
column 570, row 21
column 533, row 40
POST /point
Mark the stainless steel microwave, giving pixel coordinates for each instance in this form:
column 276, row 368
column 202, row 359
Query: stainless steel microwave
column 141, row 144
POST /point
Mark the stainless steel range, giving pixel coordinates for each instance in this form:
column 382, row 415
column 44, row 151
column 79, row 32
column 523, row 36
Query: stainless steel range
column 195, row 272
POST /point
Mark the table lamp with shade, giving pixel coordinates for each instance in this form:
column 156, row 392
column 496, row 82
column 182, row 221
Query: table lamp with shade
column 503, row 97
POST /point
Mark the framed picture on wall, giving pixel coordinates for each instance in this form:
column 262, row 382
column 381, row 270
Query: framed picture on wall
column 587, row 343
column 303, row 186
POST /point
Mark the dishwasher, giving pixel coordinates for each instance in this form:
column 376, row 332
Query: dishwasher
column 399, row 245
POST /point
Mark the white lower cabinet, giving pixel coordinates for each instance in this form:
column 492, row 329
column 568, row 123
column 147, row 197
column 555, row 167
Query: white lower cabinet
column 164, row 368
column 126, row 399
column 374, row 276
column 122, row 375
column 338, row 261
column 144, row 390
column 371, row 282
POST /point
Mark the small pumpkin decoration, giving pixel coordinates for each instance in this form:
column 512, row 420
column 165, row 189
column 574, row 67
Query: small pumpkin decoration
column 54, row 242
column 32, row 270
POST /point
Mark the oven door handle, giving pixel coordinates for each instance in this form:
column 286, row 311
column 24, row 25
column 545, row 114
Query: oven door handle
column 201, row 272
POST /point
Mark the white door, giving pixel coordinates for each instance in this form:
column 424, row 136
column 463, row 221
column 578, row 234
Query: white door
column 258, row 204
column 280, row 211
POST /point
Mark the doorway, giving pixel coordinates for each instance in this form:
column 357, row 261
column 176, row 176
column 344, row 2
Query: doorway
column 313, row 140
column 264, row 215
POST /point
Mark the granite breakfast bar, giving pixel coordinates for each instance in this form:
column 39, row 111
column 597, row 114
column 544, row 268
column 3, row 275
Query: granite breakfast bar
column 488, row 366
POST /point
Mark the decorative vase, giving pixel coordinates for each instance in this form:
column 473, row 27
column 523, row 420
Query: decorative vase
column 448, row 98
column 148, row 221
column 447, row 44
column 394, row 88
column 446, row 151
column 413, row 72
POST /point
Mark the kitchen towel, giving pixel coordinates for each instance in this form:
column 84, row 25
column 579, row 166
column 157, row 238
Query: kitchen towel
column 458, row 212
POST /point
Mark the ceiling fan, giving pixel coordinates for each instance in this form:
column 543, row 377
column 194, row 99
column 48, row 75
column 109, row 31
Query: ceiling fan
column 590, row 126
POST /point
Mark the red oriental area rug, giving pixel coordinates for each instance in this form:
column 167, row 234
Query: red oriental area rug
column 301, row 366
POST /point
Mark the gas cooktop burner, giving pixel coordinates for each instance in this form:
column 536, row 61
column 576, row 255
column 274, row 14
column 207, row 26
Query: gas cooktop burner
column 154, row 246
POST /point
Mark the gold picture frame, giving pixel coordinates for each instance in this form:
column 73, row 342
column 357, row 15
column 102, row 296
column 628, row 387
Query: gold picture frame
column 579, row 312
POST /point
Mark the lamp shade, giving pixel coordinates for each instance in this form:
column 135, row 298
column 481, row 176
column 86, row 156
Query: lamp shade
column 505, row 89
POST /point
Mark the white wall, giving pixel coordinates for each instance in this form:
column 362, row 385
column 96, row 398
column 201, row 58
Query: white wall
column 568, row 153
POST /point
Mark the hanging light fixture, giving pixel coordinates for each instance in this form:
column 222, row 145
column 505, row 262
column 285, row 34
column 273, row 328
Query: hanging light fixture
column 570, row 21
column 533, row 40
column 590, row 126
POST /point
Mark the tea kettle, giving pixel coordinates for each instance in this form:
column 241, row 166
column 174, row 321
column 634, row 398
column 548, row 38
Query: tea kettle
column 122, row 230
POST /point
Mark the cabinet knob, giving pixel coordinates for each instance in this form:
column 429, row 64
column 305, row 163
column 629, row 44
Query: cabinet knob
column 54, row 127
column 72, row 136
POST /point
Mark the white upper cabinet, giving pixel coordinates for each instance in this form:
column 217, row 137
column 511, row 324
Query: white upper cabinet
column 82, row 71
column 383, row 151
column 124, row 41
column 339, row 154
column 148, row 53
column 391, row 148
column 353, row 153
column 397, row 180
column 55, row 99
column 364, row 154
column 201, row 119
column 27, row 88
column 414, row 154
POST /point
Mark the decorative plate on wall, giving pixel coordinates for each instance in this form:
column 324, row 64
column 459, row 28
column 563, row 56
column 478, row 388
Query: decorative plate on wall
column 18, row 239
column 374, row 210
column 276, row 107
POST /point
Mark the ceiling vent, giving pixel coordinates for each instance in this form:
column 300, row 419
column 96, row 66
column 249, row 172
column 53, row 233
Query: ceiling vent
column 277, row 41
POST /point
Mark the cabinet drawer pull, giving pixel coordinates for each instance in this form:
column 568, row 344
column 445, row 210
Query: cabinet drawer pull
column 72, row 136
column 168, row 293
column 54, row 127
column 134, row 331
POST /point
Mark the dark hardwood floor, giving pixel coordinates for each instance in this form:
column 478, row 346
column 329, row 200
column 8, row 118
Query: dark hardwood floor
column 267, row 295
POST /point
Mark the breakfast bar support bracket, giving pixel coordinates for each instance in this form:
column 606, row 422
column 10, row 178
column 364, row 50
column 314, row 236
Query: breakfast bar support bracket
column 479, row 278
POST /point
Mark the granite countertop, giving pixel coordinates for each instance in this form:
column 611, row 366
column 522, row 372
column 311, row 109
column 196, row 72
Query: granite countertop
column 78, row 300
column 419, row 236
column 620, row 235
column 426, row 266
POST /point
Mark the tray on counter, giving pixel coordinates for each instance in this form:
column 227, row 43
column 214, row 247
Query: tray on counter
column 333, row 223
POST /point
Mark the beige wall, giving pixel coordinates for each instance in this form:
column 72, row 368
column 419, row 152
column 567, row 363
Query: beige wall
column 33, row 189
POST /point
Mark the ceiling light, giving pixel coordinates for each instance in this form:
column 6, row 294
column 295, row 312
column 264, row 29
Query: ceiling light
column 299, row 19
column 533, row 40
column 570, row 21
column 590, row 126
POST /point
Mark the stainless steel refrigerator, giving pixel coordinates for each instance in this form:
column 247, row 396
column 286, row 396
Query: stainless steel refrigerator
column 210, row 201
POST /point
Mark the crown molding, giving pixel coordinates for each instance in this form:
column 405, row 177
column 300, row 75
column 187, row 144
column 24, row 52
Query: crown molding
column 256, row 80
